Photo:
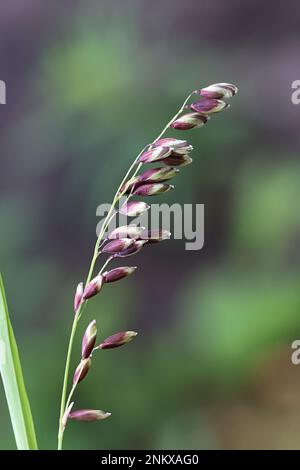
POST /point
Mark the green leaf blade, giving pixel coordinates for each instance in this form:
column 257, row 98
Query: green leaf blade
column 13, row 382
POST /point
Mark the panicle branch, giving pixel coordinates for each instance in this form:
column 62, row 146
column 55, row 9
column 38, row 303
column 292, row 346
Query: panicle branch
column 124, row 241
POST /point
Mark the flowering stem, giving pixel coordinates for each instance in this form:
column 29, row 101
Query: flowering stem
column 111, row 213
column 65, row 383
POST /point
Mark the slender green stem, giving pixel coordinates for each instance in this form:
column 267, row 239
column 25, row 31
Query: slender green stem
column 111, row 213
column 65, row 382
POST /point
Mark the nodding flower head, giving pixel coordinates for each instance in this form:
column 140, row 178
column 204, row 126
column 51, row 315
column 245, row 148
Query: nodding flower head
column 171, row 142
column 126, row 231
column 118, row 273
column 134, row 208
column 152, row 189
column 88, row 340
column 179, row 147
column 154, row 154
column 209, row 106
column 117, row 340
column 88, row 415
column 189, row 121
column 115, row 246
column 78, row 297
column 157, row 175
column 134, row 248
column 153, row 175
column 128, row 240
column 93, row 287
column 219, row 90
column 81, row 370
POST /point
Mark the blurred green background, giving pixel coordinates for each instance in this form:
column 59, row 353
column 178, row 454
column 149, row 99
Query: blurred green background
column 89, row 83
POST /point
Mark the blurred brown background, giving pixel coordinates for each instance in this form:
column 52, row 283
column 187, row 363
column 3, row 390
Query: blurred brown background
column 89, row 83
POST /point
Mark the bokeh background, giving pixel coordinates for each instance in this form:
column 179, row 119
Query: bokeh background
column 89, row 83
